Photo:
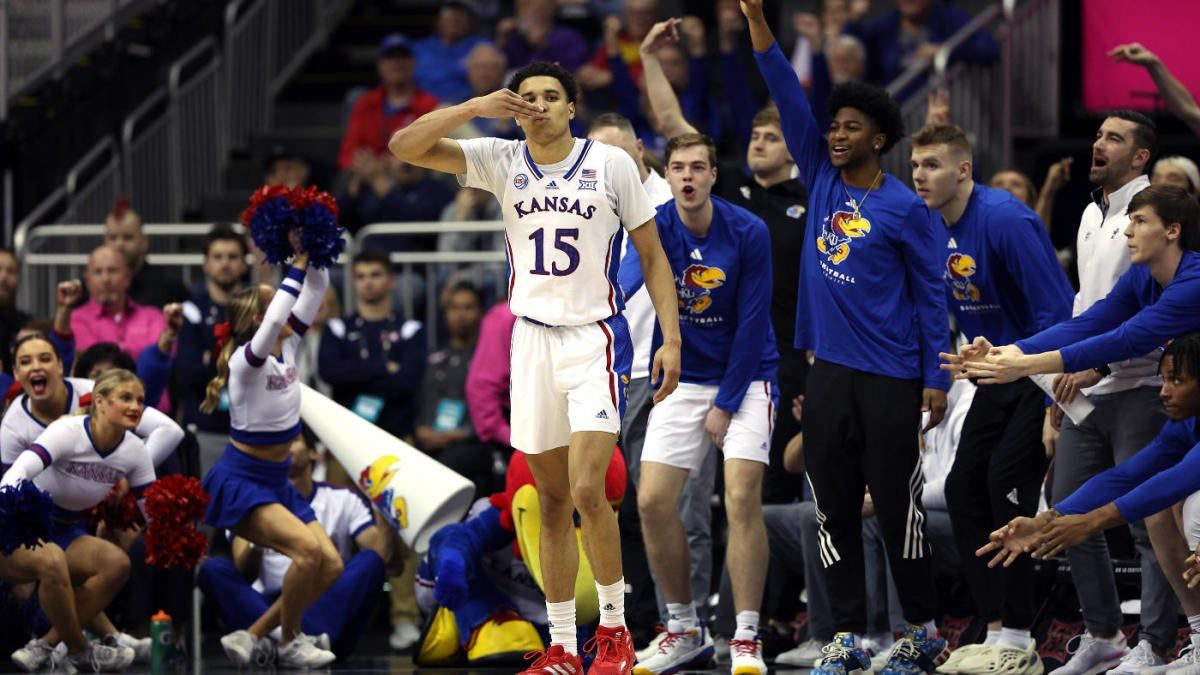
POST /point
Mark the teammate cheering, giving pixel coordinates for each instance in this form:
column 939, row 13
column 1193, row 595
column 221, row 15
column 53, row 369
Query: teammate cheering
column 873, row 309
column 564, row 201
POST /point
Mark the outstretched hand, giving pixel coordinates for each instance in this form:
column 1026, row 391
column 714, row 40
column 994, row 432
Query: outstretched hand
column 1134, row 53
column 662, row 34
column 1019, row 536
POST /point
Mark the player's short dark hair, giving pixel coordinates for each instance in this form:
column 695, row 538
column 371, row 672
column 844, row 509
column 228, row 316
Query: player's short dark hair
column 873, row 102
column 1172, row 205
column 688, row 140
column 1145, row 131
column 223, row 232
column 372, row 256
column 547, row 69
column 614, row 120
column 1185, row 355
column 100, row 353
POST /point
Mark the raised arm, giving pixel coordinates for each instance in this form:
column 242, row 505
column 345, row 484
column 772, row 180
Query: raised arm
column 423, row 142
column 160, row 433
column 1179, row 100
column 263, row 342
column 308, row 303
column 663, row 100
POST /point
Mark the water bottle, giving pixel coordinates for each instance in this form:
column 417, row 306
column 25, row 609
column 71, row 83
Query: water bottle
column 160, row 648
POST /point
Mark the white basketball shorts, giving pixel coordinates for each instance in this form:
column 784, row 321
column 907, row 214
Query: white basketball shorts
column 675, row 434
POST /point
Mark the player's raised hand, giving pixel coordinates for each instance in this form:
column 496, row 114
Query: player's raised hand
column 753, row 9
column 667, row 365
column 1133, row 53
column 660, row 35
column 68, row 293
column 506, row 103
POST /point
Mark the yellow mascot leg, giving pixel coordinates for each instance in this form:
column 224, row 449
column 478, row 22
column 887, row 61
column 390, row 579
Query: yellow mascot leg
column 527, row 521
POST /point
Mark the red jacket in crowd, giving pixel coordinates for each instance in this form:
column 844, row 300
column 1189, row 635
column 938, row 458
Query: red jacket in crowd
column 372, row 124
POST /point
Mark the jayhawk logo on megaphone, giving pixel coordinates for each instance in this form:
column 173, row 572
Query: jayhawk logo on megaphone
column 374, row 481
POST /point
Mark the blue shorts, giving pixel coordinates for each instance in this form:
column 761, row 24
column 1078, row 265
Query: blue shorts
column 66, row 527
column 239, row 483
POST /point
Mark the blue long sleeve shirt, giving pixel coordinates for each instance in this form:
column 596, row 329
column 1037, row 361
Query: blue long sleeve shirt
column 1137, row 317
column 1003, row 280
column 724, row 285
column 1159, row 476
column 871, row 295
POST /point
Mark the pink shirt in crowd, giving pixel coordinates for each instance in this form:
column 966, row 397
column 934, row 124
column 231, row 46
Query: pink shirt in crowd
column 132, row 329
column 487, row 378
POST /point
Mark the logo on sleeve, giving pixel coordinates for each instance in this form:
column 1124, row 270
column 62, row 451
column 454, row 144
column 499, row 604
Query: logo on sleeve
column 521, row 181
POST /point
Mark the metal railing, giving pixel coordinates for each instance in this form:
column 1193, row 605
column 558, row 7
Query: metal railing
column 249, row 50
column 196, row 117
column 94, row 183
column 149, row 158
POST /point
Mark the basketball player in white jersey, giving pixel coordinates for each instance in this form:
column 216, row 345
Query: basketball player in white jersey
column 564, row 202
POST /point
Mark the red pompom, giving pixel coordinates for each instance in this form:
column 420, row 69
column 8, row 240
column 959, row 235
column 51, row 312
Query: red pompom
column 173, row 505
column 263, row 194
column 117, row 514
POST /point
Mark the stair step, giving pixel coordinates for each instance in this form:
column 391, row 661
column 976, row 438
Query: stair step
column 308, row 114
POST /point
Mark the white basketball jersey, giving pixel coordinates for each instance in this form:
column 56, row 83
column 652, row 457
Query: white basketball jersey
column 562, row 224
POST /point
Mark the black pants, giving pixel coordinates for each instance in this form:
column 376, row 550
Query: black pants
column 860, row 430
column 997, row 476
column 779, row 486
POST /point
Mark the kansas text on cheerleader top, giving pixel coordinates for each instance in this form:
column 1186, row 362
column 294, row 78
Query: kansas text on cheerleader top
column 264, row 394
column 66, row 462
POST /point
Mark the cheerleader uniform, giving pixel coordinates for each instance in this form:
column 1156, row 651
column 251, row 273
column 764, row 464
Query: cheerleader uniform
column 78, row 474
column 264, row 408
column 19, row 428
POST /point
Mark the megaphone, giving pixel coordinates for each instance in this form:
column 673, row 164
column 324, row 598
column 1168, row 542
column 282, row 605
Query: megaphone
column 416, row 493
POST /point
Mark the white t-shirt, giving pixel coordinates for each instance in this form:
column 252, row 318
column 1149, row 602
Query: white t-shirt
column 343, row 515
column 562, row 224
column 941, row 444
column 639, row 310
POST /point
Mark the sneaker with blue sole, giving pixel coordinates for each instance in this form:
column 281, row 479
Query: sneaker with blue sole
column 916, row 653
column 842, row 657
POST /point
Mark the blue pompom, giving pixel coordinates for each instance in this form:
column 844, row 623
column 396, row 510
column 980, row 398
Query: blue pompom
column 24, row 516
column 321, row 235
column 269, row 226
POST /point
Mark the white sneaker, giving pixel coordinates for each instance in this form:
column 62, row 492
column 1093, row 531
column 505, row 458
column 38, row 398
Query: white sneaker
column 404, row 636
column 302, row 653
column 1003, row 660
column 140, row 647
column 652, row 648
column 679, row 648
column 33, row 656
column 1188, row 662
column 746, row 658
column 1138, row 660
column 1094, row 655
column 98, row 657
column 880, row 653
column 804, row 655
column 239, row 647
column 953, row 665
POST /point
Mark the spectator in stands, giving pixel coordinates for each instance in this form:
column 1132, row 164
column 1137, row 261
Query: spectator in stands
column 441, row 57
column 394, row 104
column 387, row 190
column 912, row 33
column 487, row 378
column 472, row 204
column 486, row 66
column 444, row 429
column 363, row 540
column 225, row 270
column 1179, row 100
column 149, row 285
column 532, row 34
column 11, row 318
column 111, row 315
column 1178, row 171
column 622, row 35
column 375, row 362
column 286, row 167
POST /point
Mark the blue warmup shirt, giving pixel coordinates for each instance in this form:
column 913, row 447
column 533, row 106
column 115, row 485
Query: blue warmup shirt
column 1136, row 317
column 1159, row 476
column 870, row 294
column 724, row 285
column 1003, row 280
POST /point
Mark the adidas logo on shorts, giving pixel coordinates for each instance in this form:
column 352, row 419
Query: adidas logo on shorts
column 602, row 415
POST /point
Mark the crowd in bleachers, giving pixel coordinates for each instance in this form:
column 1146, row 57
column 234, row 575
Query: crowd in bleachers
column 664, row 78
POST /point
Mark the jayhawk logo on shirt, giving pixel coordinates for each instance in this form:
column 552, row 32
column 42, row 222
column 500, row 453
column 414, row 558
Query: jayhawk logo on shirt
column 960, row 267
column 836, row 233
column 696, row 286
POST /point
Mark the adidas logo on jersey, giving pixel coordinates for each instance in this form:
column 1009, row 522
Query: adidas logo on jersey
column 696, row 254
column 1012, row 496
column 952, row 243
column 602, row 415
column 610, row 607
column 551, row 185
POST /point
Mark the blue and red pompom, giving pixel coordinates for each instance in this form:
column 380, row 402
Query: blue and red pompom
column 24, row 516
column 276, row 210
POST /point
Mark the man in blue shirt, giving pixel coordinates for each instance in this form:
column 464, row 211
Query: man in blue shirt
column 441, row 58
column 1157, row 478
column 720, row 255
column 872, row 308
column 1002, row 279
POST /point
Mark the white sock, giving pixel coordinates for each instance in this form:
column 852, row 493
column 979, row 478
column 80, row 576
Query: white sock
column 1194, row 622
column 561, row 616
column 1013, row 637
column 277, row 634
column 747, row 626
column 612, row 603
column 993, row 636
column 683, row 613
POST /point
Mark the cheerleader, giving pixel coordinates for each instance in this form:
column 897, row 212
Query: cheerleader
column 249, row 488
column 77, row 460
